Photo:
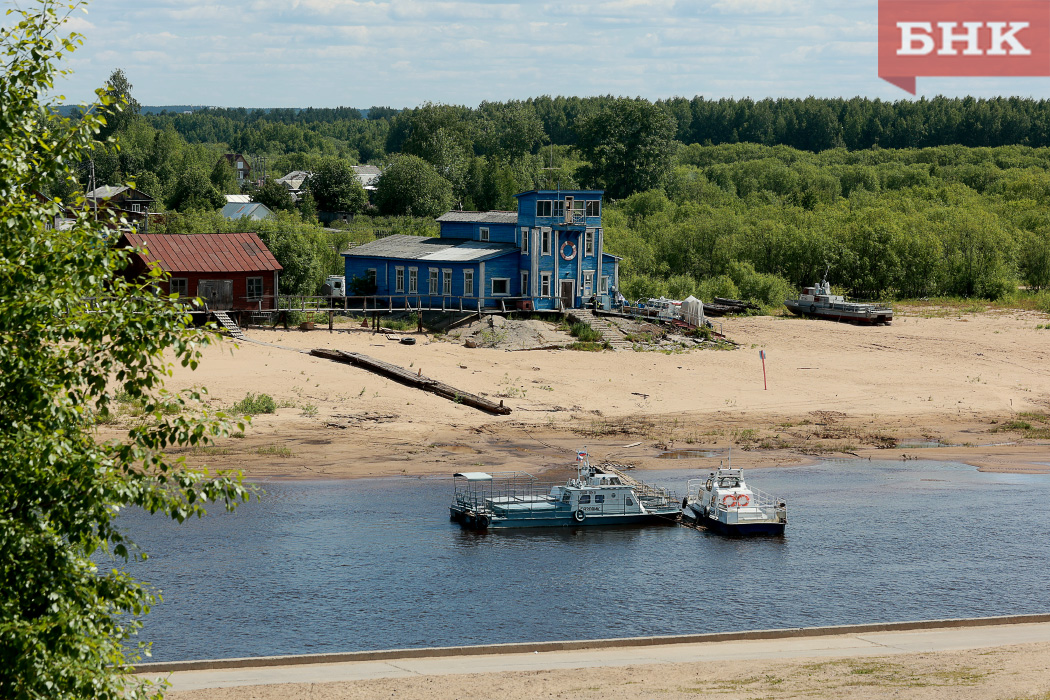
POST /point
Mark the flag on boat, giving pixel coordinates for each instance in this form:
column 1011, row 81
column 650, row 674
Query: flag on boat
column 580, row 456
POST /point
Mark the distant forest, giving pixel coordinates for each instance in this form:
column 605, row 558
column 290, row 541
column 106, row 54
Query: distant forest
column 710, row 197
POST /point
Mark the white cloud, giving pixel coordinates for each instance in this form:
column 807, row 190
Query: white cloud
column 765, row 7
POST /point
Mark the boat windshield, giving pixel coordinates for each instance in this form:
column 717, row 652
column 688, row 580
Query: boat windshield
column 729, row 482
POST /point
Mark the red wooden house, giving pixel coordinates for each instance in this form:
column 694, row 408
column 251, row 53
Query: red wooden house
column 229, row 271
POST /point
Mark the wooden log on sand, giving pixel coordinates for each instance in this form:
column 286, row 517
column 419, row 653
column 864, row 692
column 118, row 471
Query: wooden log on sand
column 404, row 376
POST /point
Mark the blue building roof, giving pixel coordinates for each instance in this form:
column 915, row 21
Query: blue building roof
column 431, row 249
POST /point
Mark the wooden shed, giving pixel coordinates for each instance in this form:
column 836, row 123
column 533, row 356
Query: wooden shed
column 229, row 271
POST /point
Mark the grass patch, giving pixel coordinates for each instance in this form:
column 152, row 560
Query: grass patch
column 253, row 404
column 587, row 346
column 275, row 450
column 584, row 333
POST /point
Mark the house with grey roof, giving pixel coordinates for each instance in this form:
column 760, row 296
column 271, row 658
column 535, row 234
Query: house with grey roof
column 549, row 254
column 132, row 205
column 256, row 211
column 367, row 176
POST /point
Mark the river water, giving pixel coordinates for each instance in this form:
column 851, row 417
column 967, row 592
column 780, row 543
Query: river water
column 325, row 566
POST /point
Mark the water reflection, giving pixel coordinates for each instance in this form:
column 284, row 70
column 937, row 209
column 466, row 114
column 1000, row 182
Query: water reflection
column 335, row 566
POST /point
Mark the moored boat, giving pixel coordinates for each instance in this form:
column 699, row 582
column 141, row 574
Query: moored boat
column 819, row 302
column 724, row 503
column 597, row 496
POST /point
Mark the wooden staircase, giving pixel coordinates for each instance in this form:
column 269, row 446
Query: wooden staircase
column 226, row 322
column 610, row 333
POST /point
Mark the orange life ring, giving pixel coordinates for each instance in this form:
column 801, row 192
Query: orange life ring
column 727, row 498
column 572, row 251
column 742, row 500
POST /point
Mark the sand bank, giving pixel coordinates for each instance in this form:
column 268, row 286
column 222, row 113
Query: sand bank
column 933, row 385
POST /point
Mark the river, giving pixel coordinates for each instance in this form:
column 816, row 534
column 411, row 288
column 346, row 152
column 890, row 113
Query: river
column 325, row 566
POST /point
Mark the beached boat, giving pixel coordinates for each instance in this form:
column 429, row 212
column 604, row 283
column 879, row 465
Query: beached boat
column 596, row 496
column 724, row 503
column 819, row 302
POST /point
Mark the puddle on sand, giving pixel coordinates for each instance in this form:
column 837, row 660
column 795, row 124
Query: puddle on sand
column 922, row 444
column 688, row 454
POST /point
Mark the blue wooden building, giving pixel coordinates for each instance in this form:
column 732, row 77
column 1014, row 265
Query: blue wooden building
column 549, row 254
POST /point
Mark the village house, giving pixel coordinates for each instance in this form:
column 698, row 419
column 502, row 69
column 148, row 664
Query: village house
column 240, row 165
column 256, row 211
column 131, row 204
column 548, row 255
column 228, row 271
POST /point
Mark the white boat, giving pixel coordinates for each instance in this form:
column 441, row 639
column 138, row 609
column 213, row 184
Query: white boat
column 724, row 503
column 597, row 496
column 819, row 302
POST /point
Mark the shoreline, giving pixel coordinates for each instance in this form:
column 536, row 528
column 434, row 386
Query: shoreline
column 975, row 659
column 975, row 386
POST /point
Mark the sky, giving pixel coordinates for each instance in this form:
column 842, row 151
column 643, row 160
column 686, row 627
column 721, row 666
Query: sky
column 402, row 53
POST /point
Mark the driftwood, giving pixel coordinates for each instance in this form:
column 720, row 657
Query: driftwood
column 404, row 376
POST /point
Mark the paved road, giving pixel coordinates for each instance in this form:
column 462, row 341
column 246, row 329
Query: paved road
column 836, row 646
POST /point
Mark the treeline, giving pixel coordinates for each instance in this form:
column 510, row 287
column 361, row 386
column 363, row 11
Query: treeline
column 690, row 209
column 812, row 124
column 759, row 222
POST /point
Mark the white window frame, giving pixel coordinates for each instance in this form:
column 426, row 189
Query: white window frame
column 545, row 284
column 603, row 285
column 525, row 235
column 547, row 247
column 468, row 283
column 433, row 280
column 446, row 282
column 559, row 209
column 185, row 291
column 525, row 292
column 413, row 280
column 248, row 284
column 506, row 286
column 544, row 210
column 588, row 242
column 399, row 280
column 483, row 233
column 588, row 283
column 594, row 207
column 370, row 275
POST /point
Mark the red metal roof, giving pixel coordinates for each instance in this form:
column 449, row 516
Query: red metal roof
column 205, row 252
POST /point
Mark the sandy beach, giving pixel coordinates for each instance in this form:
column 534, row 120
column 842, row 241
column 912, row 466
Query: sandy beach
column 937, row 384
column 978, row 385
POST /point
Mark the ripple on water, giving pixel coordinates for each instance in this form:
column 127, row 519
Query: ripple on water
column 375, row 564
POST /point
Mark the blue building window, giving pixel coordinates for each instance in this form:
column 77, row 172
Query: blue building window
column 468, row 283
column 546, row 247
column 433, row 282
column 483, row 233
column 594, row 207
column 525, row 241
column 413, row 280
column 543, row 207
column 399, row 279
column 588, row 241
column 446, row 283
column 500, row 287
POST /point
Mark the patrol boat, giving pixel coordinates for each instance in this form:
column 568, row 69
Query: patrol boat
column 819, row 302
column 724, row 503
column 596, row 496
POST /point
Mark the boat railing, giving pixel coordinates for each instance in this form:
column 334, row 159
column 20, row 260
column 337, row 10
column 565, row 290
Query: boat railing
column 654, row 496
column 477, row 495
column 762, row 499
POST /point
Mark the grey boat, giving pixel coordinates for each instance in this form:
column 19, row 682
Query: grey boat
column 597, row 496
column 819, row 302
